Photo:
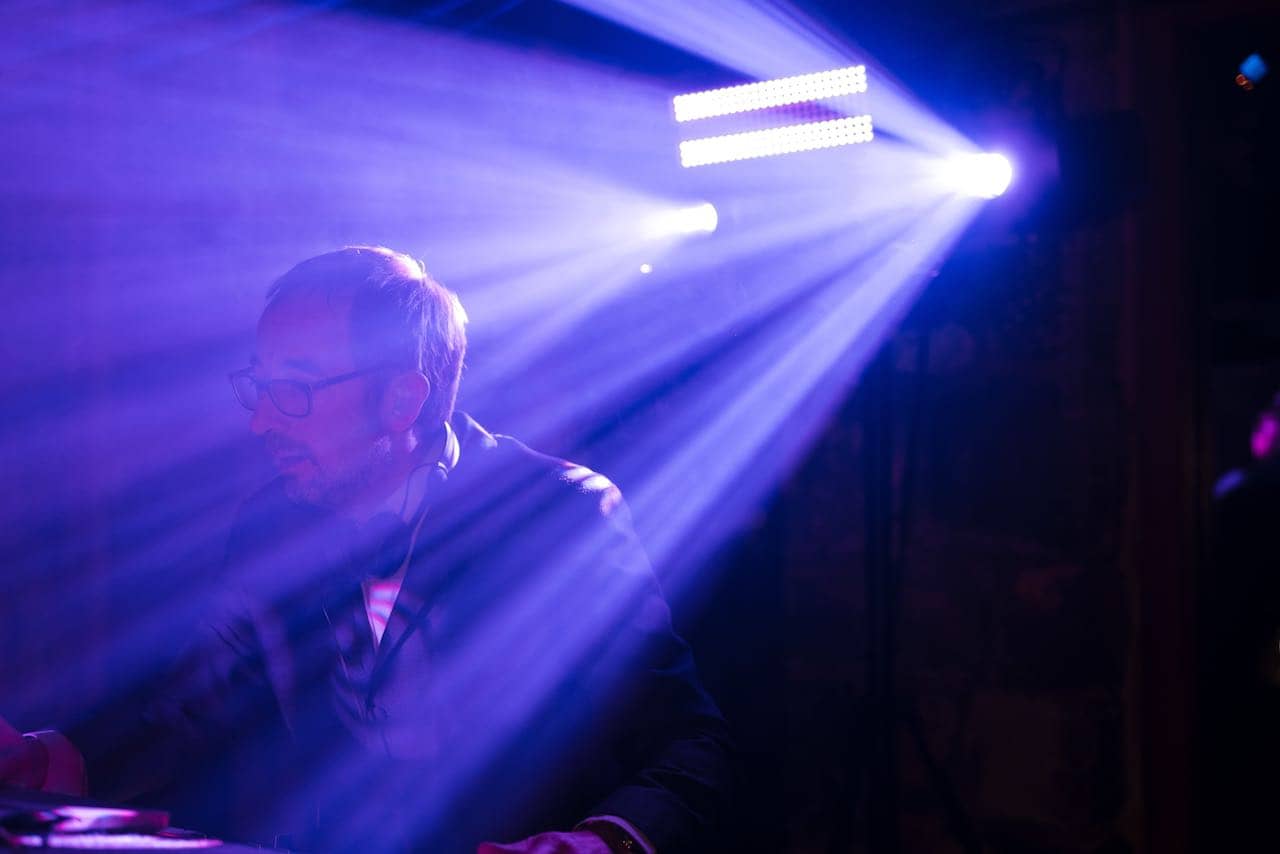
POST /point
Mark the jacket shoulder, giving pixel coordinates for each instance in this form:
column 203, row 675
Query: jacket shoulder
column 559, row 477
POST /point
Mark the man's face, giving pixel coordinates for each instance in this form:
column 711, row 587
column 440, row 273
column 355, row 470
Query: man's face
column 335, row 454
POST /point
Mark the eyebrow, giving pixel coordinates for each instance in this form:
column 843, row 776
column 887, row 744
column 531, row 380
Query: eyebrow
column 305, row 365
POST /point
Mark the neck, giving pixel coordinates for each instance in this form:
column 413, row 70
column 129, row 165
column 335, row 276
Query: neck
column 402, row 484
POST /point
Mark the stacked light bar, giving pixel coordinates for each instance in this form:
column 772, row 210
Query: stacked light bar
column 774, row 141
column 771, row 93
column 768, row 94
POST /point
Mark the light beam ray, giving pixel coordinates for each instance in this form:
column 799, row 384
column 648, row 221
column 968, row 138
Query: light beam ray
column 767, row 40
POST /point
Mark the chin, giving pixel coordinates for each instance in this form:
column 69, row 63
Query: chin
column 303, row 492
column 335, row 487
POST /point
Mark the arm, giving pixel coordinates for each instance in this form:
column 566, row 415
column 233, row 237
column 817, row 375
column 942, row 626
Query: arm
column 673, row 733
column 130, row 751
column 161, row 732
column 164, row 732
column 43, row 760
column 662, row 731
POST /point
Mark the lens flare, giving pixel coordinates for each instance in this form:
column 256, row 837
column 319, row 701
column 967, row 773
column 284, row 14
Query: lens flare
column 691, row 220
column 983, row 176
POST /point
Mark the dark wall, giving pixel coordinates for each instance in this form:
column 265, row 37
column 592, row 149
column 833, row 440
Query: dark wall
column 1091, row 363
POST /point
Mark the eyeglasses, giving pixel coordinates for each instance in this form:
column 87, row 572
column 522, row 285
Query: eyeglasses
column 291, row 397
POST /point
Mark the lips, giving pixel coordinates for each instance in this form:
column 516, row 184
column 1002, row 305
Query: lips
column 289, row 461
column 287, row 456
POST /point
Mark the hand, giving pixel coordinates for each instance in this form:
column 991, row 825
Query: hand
column 577, row 842
column 8, row 735
column 23, row 761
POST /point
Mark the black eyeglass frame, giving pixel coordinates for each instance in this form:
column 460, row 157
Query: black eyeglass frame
column 308, row 388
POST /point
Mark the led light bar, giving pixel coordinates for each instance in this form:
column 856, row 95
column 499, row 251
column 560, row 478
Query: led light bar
column 771, row 93
column 783, row 140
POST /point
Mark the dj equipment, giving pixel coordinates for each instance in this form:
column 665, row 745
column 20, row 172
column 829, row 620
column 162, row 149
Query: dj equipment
column 41, row 820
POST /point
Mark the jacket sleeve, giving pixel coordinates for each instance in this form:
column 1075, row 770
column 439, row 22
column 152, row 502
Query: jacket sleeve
column 670, row 734
column 167, row 732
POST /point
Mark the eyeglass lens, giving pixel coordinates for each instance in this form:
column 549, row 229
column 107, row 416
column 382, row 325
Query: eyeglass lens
column 289, row 396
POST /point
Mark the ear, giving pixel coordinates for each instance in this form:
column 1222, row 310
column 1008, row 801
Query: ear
column 402, row 403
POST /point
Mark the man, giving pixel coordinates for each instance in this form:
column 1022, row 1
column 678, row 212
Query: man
column 432, row 637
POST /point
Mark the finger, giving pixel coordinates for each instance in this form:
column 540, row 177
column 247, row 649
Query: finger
column 15, row 766
column 8, row 735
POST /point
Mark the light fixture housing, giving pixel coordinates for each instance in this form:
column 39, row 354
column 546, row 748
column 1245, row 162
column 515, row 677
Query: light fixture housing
column 984, row 176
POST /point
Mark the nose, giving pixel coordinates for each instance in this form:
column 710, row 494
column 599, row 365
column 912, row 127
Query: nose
column 266, row 417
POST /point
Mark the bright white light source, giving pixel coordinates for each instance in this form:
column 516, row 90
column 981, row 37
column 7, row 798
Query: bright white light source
column 646, row 268
column 771, row 93
column 982, row 175
column 773, row 141
column 699, row 218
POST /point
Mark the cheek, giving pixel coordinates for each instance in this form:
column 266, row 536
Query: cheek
column 336, row 432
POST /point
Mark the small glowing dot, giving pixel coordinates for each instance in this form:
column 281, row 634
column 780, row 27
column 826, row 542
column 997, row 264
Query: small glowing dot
column 646, row 268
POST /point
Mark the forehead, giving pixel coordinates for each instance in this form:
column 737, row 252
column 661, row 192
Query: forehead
column 310, row 333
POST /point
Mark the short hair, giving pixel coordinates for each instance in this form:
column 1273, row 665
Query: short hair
column 400, row 316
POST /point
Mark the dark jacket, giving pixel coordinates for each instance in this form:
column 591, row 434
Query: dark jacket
column 530, row 677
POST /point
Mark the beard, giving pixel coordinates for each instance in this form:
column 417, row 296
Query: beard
column 334, row 488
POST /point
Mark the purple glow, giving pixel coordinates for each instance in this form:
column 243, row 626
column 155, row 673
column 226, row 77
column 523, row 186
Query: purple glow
column 188, row 157
column 1264, row 440
column 838, row 208
column 766, row 40
column 736, row 435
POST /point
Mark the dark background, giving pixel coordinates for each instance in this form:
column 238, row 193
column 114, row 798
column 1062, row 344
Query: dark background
column 1058, row 406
